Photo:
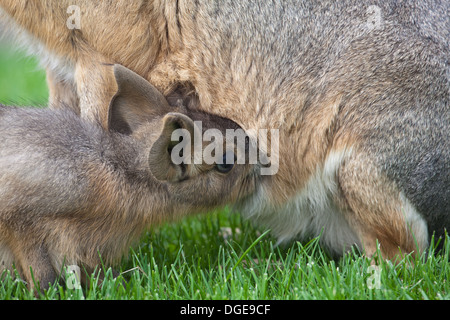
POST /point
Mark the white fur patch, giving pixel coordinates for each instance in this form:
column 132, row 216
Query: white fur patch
column 415, row 223
column 310, row 213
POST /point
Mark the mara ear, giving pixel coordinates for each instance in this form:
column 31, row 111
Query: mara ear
column 135, row 102
column 173, row 152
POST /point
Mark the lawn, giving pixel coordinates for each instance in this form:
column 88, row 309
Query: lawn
column 221, row 257
column 22, row 82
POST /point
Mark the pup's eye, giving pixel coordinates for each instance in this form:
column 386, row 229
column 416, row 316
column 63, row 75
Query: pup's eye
column 227, row 162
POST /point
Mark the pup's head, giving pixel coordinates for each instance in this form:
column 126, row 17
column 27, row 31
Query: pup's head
column 202, row 159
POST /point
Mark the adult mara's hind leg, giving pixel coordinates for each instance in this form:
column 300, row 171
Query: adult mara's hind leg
column 378, row 211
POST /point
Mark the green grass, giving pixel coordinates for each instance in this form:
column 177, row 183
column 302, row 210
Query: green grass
column 193, row 259
column 220, row 256
column 22, row 83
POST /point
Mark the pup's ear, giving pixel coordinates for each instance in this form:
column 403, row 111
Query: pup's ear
column 173, row 152
column 135, row 102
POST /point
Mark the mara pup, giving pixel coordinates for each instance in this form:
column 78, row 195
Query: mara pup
column 359, row 91
column 71, row 190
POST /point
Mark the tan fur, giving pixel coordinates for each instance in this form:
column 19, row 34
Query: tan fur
column 313, row 70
